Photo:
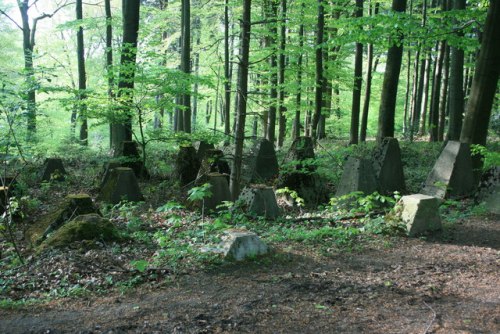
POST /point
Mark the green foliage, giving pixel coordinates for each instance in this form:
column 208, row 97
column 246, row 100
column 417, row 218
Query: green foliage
column 356, row 203
column 488, row 157
column 200, row 193
column 299, row 201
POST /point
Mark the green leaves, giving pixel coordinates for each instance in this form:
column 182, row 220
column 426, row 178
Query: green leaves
column 200, row 193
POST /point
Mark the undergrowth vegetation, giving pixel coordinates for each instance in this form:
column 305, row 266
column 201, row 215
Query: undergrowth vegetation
column 167, row 234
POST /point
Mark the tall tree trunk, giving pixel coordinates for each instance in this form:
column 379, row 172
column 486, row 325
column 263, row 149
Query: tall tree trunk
column 242, row 99
column 271, row 7
column 390, row 84
column 29, row 71
column 298, row 98
column 436, row 90
column 122, row 128
column 82, row 77
column 227, row 75
column 186, row 62
column 425, row 95
column 358, row 80
column 443, row 96
column 318, row 101
column 456, row 99
column 484, row 84
column 281, row 75
column 197, row 29
column 109, row 59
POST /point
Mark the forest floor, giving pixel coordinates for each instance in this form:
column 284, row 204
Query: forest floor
column 449, row 283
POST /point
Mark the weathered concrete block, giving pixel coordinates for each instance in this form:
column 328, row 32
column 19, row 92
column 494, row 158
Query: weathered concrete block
column 358, row 175
column 492, row 201
column 201, row 148
column 53, row 170
column 239, row 245
column 420, row 214
column 129, row 156
column 302, row 148
column 187, row 164
column 121, row 185
column 107, row 168
column 388, row 166
column 260, row 200
column 220, row 191
column 452, row 174
column 213, row 162
column 488, row 191
column 260, row 163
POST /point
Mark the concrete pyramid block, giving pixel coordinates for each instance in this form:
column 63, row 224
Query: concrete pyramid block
column 260, row 200
column 213, row 162
column 302, row 148
column 220, row 191
column 358, row 175
column 388, row 166
column 187, row 164
column 260, row 163
column 239, row 245
column 201, row 148
column 420, row 214
column 452, row 174
column 121, row 185
column 53, row 170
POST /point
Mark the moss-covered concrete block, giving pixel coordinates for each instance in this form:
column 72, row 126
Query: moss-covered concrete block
column 121, row 186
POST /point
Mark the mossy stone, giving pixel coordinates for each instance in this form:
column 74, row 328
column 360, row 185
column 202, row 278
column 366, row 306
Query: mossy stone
column 84, row 227
column 73, row 205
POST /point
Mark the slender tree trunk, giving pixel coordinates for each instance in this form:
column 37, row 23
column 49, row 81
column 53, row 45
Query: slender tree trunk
column 122, row 128
column 109, row 60
column 82, row 77
column 368, row 91
column 242, row 99
column 319, row 69
column 186, row 62
column 29, row 70
column 281, row 75
column 390, row 84
column 227, row 75
column 358, row 80
column 298, row 99
column 443, row 96
column 436, row 90
column 271, row 7
column 425, row 95
column 456, row 99
column 484, row 84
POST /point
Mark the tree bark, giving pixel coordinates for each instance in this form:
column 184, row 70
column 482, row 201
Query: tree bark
column 443, row 95
column 82, row 77
column 484, row 84
column 227, row 75
column 425, row 95
column 358, row 81
column 456, row 97
column 298, row 98
column 186, row 62
column 122, row 127
column 390, row 84
column 271, row 7
column 281, row 75
column 436, row 90
column 242, row 99
column 318, row 101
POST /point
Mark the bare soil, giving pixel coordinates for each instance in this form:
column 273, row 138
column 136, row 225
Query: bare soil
column 446, row 284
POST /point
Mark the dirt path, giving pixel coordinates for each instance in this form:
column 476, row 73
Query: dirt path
column 447, row 285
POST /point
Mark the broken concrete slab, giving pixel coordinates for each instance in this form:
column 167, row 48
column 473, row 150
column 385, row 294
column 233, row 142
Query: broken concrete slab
column 452, row 174
column 388, row 166
column 121, row 186
column 239, row 245
column 260, row 200
column 420, row 214
column 358, row 175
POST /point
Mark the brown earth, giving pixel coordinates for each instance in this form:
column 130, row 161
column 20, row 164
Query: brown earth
column 447, row 284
